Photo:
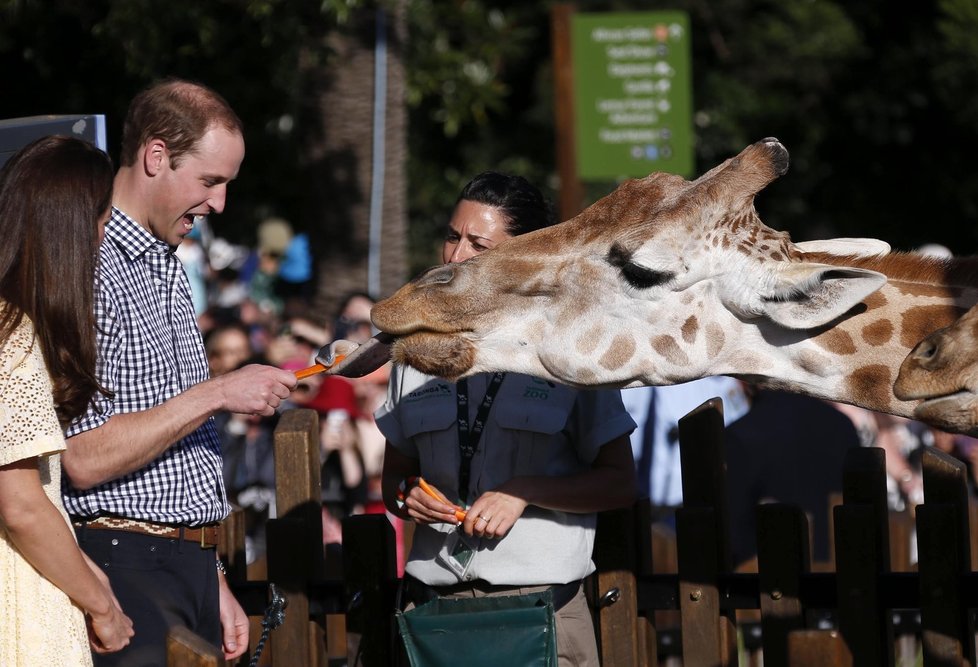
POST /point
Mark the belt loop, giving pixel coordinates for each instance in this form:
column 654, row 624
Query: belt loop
column 201, row 537
column 180, row 541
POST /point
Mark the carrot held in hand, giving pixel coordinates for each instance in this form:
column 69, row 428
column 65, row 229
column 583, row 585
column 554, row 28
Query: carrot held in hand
column 317, row 368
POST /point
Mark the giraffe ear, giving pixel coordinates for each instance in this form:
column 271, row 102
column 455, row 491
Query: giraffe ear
column 851, row 247
column 810, row 295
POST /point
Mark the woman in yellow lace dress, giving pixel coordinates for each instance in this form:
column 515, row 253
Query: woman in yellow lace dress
column 54, row 199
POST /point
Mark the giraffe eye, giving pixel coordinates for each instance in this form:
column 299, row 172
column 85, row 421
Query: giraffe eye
column 640, row 277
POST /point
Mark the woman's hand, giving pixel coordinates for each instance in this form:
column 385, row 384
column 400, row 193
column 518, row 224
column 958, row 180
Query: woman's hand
column 108, row 630
column 494, row 512
column 424, row 508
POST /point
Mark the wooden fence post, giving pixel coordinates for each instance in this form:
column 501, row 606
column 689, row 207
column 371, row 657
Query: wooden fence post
column 295, row 538
column 231, row 545
column 370, row 579
column 648, row 640
column 862, row 554
column 944, row 554
column 702, row 540
column 818, row 648
column 184, row 648
column 783, row 556
column 614, row 595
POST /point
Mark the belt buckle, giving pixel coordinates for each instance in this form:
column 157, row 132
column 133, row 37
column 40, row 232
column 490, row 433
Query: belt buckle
column 204, row 544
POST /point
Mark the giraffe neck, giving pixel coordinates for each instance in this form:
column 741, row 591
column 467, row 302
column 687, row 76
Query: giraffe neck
column 857, row 360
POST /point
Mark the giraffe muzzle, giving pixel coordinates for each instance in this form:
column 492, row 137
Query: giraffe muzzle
column 357, row 360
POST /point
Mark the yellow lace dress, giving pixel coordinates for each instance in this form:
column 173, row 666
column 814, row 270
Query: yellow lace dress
column 39, row 625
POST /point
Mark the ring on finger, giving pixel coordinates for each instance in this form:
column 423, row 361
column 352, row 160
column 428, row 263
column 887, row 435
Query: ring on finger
column 486, row 519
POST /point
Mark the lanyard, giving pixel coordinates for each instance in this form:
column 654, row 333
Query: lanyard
column 468, row 438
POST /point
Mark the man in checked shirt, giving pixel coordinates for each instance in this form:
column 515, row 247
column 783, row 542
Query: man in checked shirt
column 144, row 484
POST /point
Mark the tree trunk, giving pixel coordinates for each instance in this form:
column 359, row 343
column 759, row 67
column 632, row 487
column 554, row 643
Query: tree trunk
column 339, row 150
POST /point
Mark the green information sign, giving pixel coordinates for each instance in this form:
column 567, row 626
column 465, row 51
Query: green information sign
column 632, row 94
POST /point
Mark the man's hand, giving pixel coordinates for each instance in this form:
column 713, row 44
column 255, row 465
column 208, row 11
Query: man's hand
column 234, row 622
column 255, row 389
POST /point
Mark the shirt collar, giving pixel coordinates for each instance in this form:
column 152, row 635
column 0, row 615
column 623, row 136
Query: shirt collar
column 131, row 237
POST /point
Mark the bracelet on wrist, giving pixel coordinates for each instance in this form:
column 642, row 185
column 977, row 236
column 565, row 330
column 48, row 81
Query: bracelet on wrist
column 403, row 489
column 220, row 567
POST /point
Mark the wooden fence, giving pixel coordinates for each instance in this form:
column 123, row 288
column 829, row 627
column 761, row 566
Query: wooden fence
column 658, row 597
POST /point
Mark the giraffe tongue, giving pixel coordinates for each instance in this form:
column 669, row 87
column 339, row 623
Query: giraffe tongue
column 359, row 360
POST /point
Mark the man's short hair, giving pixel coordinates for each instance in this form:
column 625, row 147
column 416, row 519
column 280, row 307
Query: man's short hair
column 178, row 112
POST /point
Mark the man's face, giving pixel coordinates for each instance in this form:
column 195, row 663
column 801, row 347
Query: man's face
column 197, row 186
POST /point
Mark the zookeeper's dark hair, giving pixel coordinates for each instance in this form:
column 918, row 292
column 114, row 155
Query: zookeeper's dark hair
column 525, row 207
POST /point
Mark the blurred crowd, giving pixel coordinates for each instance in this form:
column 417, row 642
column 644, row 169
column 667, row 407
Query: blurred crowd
column 254, row 306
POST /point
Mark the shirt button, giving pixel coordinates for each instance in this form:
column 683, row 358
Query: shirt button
column 115, row 542
column 153, row 548
column 468, row 577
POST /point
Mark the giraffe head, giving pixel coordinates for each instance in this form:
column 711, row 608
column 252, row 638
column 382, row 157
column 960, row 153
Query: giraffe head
column 662, row 281
column 943, row 370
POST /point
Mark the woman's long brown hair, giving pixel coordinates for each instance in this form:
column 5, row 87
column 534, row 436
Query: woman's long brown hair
column 53, row 192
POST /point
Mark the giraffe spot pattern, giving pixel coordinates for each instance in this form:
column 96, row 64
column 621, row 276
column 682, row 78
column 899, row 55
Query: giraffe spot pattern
column 585, row 375
column 920, row 289
column 690, row 328
column 918, row 322
column 587, row 343
column 667, row 347
column 715, row 338
column 621, row 351
column 836, row 341
column 878, row 333
column 871, row 384
column 748, row 363
column 875, row 300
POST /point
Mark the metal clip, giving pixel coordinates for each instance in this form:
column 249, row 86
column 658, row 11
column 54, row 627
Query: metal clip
column 609, row 598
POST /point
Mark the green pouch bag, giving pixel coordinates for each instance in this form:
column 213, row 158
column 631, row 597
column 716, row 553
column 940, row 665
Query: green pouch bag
column 481, row 632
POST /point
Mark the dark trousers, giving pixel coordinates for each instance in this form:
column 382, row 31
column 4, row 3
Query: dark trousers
column 160, row 583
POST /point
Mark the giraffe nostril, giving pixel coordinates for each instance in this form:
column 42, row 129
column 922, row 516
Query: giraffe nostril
column 437, row 275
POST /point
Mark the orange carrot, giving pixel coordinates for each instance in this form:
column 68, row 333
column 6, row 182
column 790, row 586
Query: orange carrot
column 317, row 368
column 459, row 512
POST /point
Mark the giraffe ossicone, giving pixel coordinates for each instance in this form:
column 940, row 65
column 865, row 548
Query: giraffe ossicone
column 667, row 280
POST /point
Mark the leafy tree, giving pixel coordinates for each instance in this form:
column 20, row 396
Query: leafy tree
column 873, row 100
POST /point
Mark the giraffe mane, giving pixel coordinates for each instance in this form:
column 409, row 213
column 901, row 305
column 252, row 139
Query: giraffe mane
column 954, row 271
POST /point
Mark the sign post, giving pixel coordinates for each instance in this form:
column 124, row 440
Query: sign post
column 632, row 94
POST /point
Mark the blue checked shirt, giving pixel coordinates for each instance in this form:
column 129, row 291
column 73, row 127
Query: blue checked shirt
column 149, row 350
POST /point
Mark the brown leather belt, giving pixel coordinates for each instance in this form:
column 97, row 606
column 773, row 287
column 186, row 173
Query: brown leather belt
column 205, row 536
